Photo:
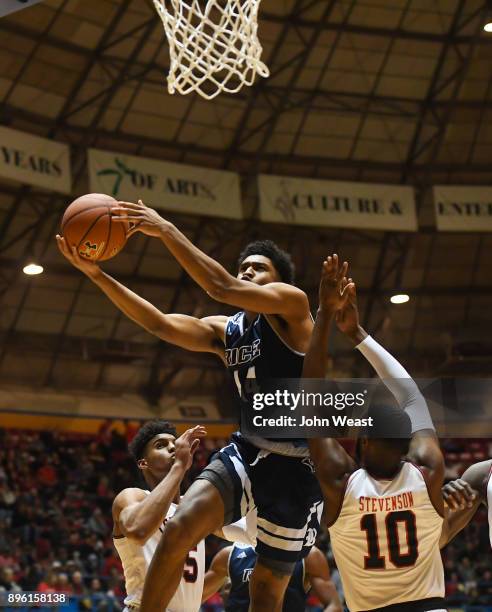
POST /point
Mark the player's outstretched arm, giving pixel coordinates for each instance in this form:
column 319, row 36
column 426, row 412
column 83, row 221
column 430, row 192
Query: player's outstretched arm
column 217, row 573
column 463, row 497
column 334, row 290
column 137, row 515
column 424, row 449
column 187, row 332
column 274, row 298
column 332, row 463
column 318, row 573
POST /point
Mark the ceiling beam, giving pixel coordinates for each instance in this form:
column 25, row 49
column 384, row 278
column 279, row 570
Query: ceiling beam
column 352, row 28
column 101, row 135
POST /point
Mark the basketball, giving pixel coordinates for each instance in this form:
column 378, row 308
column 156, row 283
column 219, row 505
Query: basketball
column 87, row 226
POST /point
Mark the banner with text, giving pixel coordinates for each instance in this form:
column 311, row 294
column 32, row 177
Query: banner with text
column 11, row 6
column 165, row 185
column 299, row 201
column 34, row 160
column 463, row 209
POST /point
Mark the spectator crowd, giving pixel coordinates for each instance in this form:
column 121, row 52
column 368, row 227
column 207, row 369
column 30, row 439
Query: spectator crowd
column 56, row 492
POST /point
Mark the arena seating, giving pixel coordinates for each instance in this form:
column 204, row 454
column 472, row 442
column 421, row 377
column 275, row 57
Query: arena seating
column 62, row 479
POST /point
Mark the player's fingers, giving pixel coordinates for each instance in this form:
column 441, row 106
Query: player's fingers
column 352, row 291
column 194, row 446
column 468, row 495
column 133, row 230
column 195, row 432
column 330, row 266
column 467, row 489
column 67, row 251
column 132, row 221
column 199, row 431
column 453, row 496
column 343, row 270
column 345, row 288
column 452, row 502
column 76, row 255
column 127, row 205
column 61, row 246
column 118, row 213
column 326, row 270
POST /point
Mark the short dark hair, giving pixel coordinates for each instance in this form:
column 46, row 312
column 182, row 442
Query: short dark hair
column 281, row 260
column 146, row 433
column 391, row 425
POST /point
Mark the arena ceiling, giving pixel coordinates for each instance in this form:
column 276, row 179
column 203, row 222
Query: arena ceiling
column 396, row 91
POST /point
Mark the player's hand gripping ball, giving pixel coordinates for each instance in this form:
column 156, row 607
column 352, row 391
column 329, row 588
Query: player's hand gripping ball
column 88, row 226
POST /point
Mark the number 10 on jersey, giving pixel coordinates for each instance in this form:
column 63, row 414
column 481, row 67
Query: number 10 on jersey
column 374, row 560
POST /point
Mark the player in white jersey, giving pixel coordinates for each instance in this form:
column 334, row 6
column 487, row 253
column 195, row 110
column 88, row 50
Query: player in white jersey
column 384, row 517
column 463, row 497
column 139, row 515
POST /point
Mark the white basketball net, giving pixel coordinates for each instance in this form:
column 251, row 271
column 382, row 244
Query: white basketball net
column 213, row 47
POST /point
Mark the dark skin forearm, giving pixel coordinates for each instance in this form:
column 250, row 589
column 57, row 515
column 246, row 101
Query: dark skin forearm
column 330, row 459
column 456, row 521
column 144, row 518
column 131, row 304
column 357, row 335
column 316, row 359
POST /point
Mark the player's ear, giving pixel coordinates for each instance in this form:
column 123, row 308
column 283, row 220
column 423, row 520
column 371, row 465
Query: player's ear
column 142, row 464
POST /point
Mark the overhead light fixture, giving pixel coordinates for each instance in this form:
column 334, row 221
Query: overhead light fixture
column 32, row 269
column 488, row 27
column 399, row 298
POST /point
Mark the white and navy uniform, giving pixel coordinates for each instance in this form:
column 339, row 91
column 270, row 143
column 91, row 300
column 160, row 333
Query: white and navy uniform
column 386, row 543
column 241, row 563
column 136, row 559
column 273, row 479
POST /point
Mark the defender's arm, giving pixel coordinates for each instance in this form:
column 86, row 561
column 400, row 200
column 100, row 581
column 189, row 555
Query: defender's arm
column 463, row 497
column 318, row 573
column 217, row 573
column 138, row 515
column 424, row 448
column 331, row 462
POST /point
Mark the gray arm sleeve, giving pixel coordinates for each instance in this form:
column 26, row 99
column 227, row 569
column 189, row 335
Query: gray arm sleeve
column 399, row 382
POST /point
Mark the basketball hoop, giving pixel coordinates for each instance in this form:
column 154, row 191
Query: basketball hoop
column 213, row 47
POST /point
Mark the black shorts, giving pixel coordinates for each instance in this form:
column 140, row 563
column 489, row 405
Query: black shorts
column 282, row 491
column 435, row 604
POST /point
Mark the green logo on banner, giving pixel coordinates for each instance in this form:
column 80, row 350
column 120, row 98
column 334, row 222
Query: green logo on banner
column 119, row 174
